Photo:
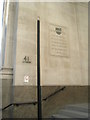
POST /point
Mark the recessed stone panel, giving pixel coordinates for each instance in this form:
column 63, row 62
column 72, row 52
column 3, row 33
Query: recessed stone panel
column 58, row 40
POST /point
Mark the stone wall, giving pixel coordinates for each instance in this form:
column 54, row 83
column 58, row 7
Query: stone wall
column 70, row 95
column 63, row 58
column 56, row 70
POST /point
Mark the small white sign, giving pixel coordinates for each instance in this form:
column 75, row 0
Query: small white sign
column 26, row 79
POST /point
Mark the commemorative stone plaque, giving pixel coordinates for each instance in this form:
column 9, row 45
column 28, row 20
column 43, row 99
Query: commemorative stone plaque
column 58, row 41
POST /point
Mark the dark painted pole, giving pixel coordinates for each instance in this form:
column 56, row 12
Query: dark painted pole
column 38, row 72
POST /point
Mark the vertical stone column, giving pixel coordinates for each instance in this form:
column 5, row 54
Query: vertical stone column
column 8, row 63
column 6, row 72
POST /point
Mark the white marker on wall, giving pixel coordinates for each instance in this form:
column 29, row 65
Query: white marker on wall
column 26, row 79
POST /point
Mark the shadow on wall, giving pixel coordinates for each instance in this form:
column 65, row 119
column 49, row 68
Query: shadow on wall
column 70, row 95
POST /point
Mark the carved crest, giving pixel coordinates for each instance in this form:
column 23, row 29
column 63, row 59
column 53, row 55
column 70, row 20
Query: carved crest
column 58, row 30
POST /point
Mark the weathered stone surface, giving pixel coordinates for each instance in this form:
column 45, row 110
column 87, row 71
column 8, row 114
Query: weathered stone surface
column 71, row 95
column 55, row 69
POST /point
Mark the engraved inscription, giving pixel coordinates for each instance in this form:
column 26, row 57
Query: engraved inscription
column 58, row 41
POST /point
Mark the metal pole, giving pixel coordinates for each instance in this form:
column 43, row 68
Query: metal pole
column 38, row 72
